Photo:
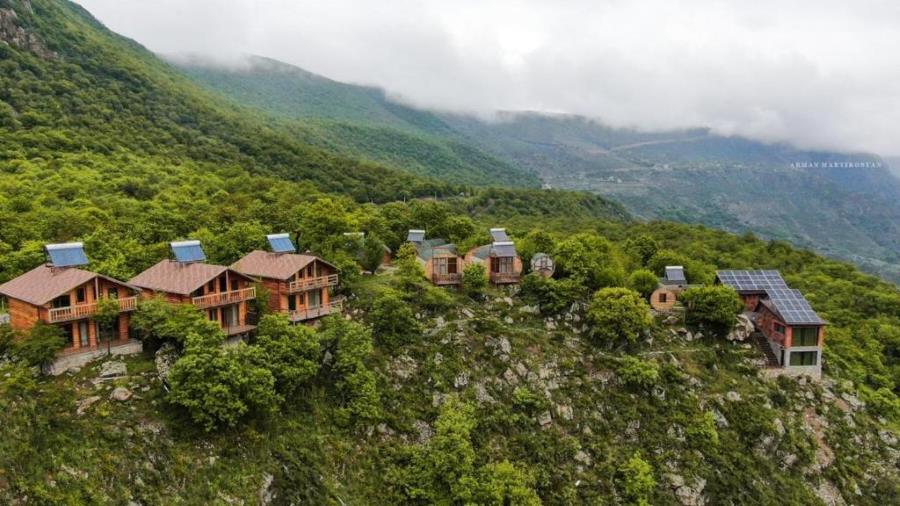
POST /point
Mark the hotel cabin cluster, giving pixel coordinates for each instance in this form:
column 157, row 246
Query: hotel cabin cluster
column 444, row 264
column 63, row 294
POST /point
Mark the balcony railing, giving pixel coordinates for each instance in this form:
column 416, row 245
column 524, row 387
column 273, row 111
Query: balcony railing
column 79, row 311
column 224, row 298
column 302, row 285
column 505, row 277
column 334, row 306
column 446, row 279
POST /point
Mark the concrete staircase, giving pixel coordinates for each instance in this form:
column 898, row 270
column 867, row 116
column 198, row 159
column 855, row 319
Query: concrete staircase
column 761, row 344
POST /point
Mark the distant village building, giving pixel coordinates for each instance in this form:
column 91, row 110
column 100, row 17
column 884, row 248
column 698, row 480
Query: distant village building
column 440, row 259
column 671, row 285
column 500, row 258
column 62, row 294
column 542, row 265
column 222, row 293
column 299, row 285
column 794, row 334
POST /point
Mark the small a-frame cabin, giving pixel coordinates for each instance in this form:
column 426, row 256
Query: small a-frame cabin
column 440, row 260
column 299, row 285
column 222, row 293
column 500, row 258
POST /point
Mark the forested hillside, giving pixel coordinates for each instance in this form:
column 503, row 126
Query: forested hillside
column 548, row 393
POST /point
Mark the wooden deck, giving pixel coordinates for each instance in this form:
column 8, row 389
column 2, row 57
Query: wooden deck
column 79, row 311
column 302, row 285
column 446, row 279
column 499, row 278
column 310, row 313
column 224, row 298
column 236, row 330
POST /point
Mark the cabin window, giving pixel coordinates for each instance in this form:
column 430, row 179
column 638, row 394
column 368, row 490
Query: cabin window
column 502, row 265
column 68, row 334
column 112, row 292
column 213, row 314
column 805, row 336
column 197, row 293
column 779, row 328
column 804, row 357
column 234, row 285
column 211, row 286
column 445, row 265
column 663, row 298
column 292, row 302
column 62, row 301
column 223, row 284
column 80, row 295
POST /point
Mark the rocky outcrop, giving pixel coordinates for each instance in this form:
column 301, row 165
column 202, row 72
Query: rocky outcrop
column 166, row 356
column 742, row 329
column 120, row 394
column 12, row 33
column 113, row 369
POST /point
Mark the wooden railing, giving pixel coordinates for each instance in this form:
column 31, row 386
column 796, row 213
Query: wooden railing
column 446, row 279
column 505, row 277
column 305, row 284
column 78, row 311
column 225, row 298
column 309, row 313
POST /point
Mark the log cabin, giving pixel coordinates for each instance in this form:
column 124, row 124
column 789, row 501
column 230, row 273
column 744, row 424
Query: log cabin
column 299, row 285
column 665, row 297
column 441, row 261
column 223, row 294
column 500, row 258
column 793, row 332
column 60, row 293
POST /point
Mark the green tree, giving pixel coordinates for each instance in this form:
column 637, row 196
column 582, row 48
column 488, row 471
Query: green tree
column 504, row 484
column 634, row 371
column 261, row 302
column 40, row 346
column 6, row 339
column 552, row 295
column 372, row 254
column 536, row 241
column 641, row 248
column 159, row 321
column 643, row 282
column 617, row 314
column 290, row 352
column 714, row 307
column 408, row 266
column 393, row 321
column 636, row 480
column 355, row 384
column 589, row 259
column 474, row 280
column 106, row 316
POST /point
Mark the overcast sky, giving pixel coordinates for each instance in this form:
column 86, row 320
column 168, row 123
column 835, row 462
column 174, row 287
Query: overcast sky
column 818, row 73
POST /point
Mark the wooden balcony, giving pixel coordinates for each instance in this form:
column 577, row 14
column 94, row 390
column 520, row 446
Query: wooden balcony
column 79, row 311
column 299, row 315
column 305, row 284
column 500, row 278
column 446, row 279
column 224, row 298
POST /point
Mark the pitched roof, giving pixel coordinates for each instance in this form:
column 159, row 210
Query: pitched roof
column 435, row 248
column 751, row 281
column 177, row 277
column 282, row 266
column 496, row 249
column 45, row 283
column 792, row 307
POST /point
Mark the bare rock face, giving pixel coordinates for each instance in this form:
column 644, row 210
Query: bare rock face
column 166, row 357
column 120, row 394
column 12, row 33
column 742, row 330
column 112, row 369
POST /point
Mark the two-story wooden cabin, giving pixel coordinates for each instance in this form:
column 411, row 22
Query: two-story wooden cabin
column 299, row 285
column 222, row 293
column 500, row 258
column 441, row 261
column 59, row 293
column 793, row 331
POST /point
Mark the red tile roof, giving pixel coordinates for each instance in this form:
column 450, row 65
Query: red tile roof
column 177, row 277
column 281, row 266
column 44, row 283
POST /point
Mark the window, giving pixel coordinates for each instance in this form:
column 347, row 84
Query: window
column 300, row 299
column 778, row 328
column 805, row 336
column 80, row 295
column 112, row 292
column 211, row 286
column 292, row 302
column 223, row 284
column 234, row 285
column 68, row 334
column 663, row 298
column 502, row 264
column 451, row 266
column 198, row 292
column 213, row 314
column 62, row 301
column 445, row 265
column 804, row 357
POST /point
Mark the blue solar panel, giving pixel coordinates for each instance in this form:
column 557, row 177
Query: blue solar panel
column 188, row 251
column 499, row 235
column 503, row 249
column 67, row 255
column 752, row 280
column 281, row 243
column 675, row 273
column 415, row 236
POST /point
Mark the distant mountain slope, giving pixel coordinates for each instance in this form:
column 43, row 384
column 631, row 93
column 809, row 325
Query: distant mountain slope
column 356, row 121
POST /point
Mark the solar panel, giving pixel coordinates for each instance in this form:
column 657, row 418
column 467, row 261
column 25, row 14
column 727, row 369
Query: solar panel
column 499, row 235
column 503, row 249
column 188, row 251
column 752, row 280
column 281, row 243
column 675, row 273
column 793, row 306
column 67, row 255
column 415, row 236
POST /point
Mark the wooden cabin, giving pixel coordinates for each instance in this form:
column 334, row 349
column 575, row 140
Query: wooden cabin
column 666, row 295
column 500, row 258
column 793, row 331
column 61, row 294
column 223, row 294
column 441, row 261
column 299, row 285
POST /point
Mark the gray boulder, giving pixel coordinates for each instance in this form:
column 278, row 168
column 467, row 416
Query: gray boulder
column 113, row 369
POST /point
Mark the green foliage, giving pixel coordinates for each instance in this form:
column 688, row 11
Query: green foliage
column 643, row 282
column 6, row 339
column 503, row 484
column 393, row 321
column 589, row 259
column 637, row 372
column 290, row 352
column 702, row 430
column 372, row 254
column 474, row 280
column 261, row 302
column 536, row 241
column 642, row 248
column 355, row 383
column 636, row 480
column 158, row 321
column 552, row 295
column 712, row 306
column 40, row 345
column 106, row 315
column 618, row 314
column 220, row 387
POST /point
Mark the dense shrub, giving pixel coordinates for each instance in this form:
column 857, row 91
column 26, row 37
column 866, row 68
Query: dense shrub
column 643, row 282
column 290, row 352
column 393, row 321
column 618, row 314
column 475, row 280
column 715, row 307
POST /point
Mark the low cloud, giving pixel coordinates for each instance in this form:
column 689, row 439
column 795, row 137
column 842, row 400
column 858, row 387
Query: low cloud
column 819, row 74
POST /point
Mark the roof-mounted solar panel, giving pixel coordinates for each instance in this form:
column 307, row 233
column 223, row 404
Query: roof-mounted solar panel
column 281, row 243
column 67, row 255
column 415, row 236
column 675, row 273
column 499, row 235
column 188, row 251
